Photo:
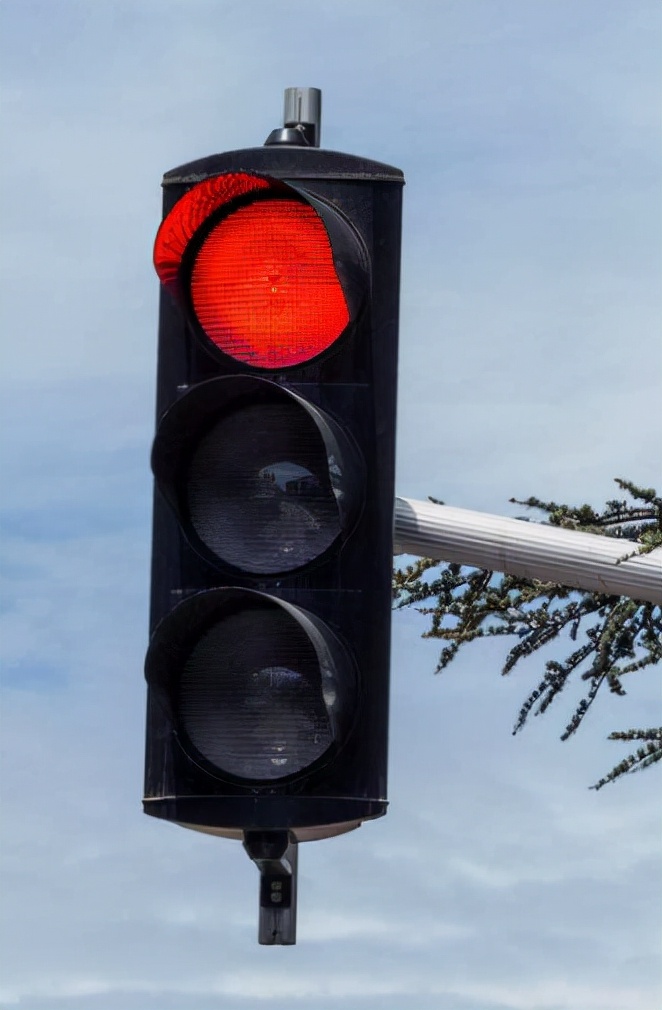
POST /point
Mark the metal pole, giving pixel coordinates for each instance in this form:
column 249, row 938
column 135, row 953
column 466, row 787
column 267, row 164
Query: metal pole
column 532, row 550
column 275, row 853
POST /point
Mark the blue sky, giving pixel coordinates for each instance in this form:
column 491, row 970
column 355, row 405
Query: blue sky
column 529, row 136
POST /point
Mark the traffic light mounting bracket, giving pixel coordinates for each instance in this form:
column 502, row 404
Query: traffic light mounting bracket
column 275, row 853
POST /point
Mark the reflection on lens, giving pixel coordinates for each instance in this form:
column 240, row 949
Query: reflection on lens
column 262, row 493
column 252, row 698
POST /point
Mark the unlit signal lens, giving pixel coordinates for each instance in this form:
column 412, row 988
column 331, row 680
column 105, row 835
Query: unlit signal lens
column 251, row 697
column 259, row 490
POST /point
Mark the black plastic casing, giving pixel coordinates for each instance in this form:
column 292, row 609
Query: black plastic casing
column 349, row 589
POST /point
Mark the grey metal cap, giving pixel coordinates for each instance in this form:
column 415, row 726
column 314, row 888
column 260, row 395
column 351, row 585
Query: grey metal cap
column 302, row 115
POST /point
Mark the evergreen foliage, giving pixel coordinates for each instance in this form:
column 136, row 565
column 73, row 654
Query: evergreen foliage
column 615, row 636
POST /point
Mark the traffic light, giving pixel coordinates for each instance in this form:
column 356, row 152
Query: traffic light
column 268, row 663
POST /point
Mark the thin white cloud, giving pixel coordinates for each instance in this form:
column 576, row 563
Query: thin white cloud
column 552, row 994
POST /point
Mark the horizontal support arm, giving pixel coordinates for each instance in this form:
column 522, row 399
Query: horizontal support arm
column 531, row 550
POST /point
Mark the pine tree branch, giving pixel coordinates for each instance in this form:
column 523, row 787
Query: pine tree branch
column 624, row 635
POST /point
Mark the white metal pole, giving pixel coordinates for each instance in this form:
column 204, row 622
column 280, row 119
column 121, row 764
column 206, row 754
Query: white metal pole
column 532, row 550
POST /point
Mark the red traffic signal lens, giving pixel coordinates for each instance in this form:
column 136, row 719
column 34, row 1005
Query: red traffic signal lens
column 264, row 285
column 272, row 276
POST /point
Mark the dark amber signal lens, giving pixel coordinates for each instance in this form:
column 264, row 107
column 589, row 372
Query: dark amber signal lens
column 264, row 286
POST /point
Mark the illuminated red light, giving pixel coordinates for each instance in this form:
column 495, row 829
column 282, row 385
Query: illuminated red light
column 264, row 286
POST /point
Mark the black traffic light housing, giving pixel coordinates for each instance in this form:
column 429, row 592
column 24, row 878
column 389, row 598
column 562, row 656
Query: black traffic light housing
column 268, row 662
